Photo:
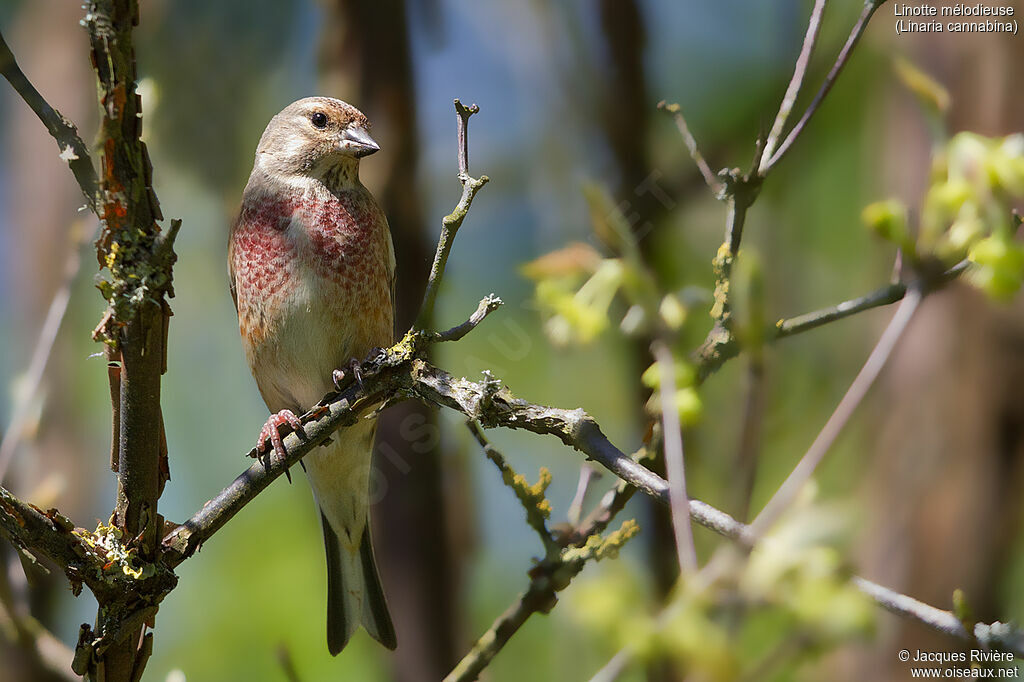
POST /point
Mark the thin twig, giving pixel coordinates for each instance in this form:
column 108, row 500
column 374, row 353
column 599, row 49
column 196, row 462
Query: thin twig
column 611, row 504
column 575, row 511
column 795, row 83
column 884, row 296
column 844, row 55
column 51, row 653
column 805, row 468
column 722, row 348
column 679, row 503
column 996, row 635
column 72, row 149
column 451, row 223
column 676, row 112
column 43, row 350
column 750, row 431
column 488, row 304
column 614, row 668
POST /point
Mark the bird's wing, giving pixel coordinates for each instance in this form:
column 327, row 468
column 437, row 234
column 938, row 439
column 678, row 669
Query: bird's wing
column 392, row 270
column 231, row 266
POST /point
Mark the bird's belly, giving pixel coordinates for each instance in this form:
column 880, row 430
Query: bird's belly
column 314, row 331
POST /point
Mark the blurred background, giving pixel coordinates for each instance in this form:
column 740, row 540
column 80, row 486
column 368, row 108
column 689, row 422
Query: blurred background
column 926, row 478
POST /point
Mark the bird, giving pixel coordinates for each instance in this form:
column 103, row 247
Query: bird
column 312, row 273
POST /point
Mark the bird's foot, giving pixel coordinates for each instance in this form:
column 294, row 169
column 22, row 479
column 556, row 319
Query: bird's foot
column 270, row 436
column 353, row 369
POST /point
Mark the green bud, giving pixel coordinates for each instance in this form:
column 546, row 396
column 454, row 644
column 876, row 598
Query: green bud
column 887, row 219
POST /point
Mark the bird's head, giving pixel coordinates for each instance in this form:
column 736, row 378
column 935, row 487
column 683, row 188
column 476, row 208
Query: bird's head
column 317, row 137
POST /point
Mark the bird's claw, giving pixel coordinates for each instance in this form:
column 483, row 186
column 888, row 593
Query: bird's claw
column 355, row 370
column 270, row 433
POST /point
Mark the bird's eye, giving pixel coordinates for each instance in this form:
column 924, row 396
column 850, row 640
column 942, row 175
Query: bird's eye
column 318, row 119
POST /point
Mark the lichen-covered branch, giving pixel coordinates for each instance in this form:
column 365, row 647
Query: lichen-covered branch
column 138, row 256
column 531, row 497
column 547, row 578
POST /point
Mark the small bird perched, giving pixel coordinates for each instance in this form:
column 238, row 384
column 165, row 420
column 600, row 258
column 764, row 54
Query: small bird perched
column 312, row 272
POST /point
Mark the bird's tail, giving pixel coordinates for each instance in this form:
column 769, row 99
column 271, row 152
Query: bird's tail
column 354, row 593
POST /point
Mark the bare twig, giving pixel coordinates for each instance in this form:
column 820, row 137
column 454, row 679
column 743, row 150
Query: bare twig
column 844, row 55
column 51, row 653
column 805, row 468
column 676, row 112
column 679, row 502
column 883, row 296
column 795, row 83
column 575, row 511
column 451, row 223
column 614, row 668
column 611, row 504
column 721, row 348
column 43, row 350
column 488, row 304
column 1001, row 636
column 746, row 454
column 72, row 149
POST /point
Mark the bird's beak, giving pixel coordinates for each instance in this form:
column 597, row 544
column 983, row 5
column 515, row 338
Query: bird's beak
column 357, row 142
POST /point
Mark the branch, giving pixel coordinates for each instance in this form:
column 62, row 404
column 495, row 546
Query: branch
column 672, row 436
column 139, row 258
column 453, row 221
column 795, row 83
column 72, row 148
column 996, row 635
column 586, row 477
column 43, row 350
column 399, row 372
column 844, row 55
column 546, row 579
column 805, row 468
column 719, row 349
column 488, row 304
column 531, row 497
column 676, row 112
column 880, row 297
column 52, row 535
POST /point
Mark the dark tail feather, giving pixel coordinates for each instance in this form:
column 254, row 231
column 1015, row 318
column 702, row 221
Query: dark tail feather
column 345, row 610
column 341, row 618
column 376, row 618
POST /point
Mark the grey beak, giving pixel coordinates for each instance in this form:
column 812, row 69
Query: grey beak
column 358, row 142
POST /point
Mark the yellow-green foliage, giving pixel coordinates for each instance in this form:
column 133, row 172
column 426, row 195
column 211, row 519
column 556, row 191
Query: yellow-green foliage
column 687, row 399
column 967, row 212
column 720, row 623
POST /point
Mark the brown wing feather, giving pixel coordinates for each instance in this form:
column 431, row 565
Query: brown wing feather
column 231, row 266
